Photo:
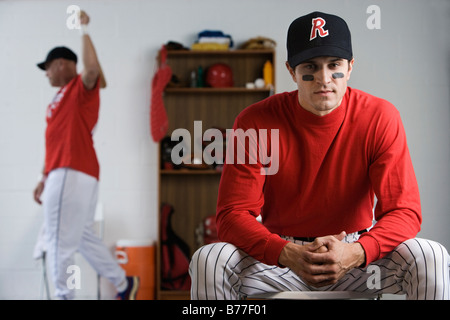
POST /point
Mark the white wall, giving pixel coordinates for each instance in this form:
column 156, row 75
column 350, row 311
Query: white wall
column 406, row 62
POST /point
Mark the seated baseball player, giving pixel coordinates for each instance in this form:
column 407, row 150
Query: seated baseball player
column 338, row 149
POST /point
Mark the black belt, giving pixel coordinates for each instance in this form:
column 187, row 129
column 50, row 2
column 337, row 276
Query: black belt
column 311, row 239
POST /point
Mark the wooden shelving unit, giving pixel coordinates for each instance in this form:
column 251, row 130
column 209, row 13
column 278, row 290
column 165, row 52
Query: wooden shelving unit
column 193, row 192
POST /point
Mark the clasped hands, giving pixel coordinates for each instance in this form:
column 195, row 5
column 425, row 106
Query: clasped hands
column 323, row 261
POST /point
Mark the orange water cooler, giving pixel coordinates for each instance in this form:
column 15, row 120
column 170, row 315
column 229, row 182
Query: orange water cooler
column 137, row 258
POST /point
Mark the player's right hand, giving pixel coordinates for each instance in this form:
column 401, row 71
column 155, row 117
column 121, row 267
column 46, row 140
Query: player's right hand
column 84, row 18
column 38, row 192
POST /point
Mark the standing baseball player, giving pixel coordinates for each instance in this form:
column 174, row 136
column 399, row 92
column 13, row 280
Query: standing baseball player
column 69, row 183
column 338, row 148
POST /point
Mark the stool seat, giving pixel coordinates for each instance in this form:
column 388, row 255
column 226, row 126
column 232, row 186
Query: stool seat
column 317, row 295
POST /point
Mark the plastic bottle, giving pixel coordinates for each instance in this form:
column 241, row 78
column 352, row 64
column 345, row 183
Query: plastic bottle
column 193, row 79
column 200, row 83
column 268, row 74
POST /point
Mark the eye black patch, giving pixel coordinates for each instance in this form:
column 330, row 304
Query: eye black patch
column 308, row 77
column 337, row 75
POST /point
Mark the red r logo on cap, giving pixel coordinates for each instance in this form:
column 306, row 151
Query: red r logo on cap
column 317, row 27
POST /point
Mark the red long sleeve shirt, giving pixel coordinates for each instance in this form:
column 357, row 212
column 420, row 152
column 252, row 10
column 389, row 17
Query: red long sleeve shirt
column 329, row 170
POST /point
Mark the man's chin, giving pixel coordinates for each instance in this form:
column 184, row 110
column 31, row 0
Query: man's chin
column 325, row 108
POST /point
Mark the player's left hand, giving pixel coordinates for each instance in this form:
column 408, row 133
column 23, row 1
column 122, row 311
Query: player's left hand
column 328, row 260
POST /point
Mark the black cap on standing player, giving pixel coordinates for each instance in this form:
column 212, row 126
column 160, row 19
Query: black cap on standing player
column 318, row 34
column 56, row 53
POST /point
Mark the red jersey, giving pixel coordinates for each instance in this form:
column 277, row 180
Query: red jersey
column 330, row 169
column 71, row 118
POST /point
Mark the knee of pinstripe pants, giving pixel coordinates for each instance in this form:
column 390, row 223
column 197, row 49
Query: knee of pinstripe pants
column 419, row 268
column 220, row 271
column 224, row 272
column 209, row 272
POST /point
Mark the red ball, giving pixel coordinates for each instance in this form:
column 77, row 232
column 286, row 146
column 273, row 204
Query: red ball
column 219, row 75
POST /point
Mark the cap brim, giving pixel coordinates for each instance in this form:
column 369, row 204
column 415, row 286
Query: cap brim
column 322, row 51
column 41, row 65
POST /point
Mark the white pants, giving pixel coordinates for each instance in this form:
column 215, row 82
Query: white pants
column 418, row 268
column 69, row 203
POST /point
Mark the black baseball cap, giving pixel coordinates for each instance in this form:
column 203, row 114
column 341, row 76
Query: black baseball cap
column 318, row 34
column 56, row 53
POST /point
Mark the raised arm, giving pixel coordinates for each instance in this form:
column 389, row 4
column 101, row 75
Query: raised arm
column 92, row 69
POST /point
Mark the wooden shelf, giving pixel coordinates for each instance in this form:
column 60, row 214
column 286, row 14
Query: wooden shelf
column 174, row 295
column 193, row 192
column 190, row 171
column 216, row 90
column 232, row 52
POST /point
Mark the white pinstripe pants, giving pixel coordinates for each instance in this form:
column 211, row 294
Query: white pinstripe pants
column 70, row 198
column 418, row 268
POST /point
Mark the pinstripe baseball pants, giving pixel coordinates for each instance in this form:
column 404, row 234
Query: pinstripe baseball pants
column 70, row 198
column 418, row 268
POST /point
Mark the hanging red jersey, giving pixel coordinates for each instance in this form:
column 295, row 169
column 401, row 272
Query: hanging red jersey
column 71, row 119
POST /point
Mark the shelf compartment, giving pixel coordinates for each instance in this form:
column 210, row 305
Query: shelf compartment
column 246, row 65
column 216, row 90
column 190, row 172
